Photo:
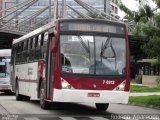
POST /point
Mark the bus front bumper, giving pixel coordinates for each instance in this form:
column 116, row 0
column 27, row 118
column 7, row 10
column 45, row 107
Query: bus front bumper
column 90, row 96
column 5, row 87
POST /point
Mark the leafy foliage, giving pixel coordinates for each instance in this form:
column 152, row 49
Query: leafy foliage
column 152, row 47
column 155, row 62
column 152, row 31
column 147, row 25
column 157, row 2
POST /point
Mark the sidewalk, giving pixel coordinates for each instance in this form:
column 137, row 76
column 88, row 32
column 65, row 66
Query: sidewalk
column 144, row 93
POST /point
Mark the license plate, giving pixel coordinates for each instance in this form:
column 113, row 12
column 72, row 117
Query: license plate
column 93, row 94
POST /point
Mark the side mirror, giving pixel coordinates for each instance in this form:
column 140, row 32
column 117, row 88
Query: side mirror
column 54, row 47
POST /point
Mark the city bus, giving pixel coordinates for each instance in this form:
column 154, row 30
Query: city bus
column 5, row 57
column 73, row 60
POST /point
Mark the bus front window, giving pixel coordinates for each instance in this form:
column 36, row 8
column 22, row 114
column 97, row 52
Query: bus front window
column 95, row 55
column 4, row 67
column 110, row 55
column 76, row 53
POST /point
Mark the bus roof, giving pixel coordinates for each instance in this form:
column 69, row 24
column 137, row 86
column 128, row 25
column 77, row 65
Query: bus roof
column 5, row 52
column 52, row 24
column 37, row 31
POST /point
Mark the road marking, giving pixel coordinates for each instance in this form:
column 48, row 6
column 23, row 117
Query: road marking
column 3, row 110
column 67, row 118
column 98, row 118
column 31, row 119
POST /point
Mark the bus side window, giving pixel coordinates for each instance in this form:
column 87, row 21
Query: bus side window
column 18, row 53
column 16, row 49
column 45, row 40
column 30, row 49
column 13, row 54
column 21, row 57
column 25, row 53
column 39, row 40
column 36, row 42
column 22, row 47
column 31, row 43
column 42, row 38
column 37, row 48
column 25, row 45
column 33, row 49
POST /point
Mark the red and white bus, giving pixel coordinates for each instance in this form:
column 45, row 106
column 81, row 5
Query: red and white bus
column 73, row 60
column 5, row 57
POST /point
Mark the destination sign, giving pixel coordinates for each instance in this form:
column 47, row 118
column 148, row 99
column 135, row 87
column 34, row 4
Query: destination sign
column 92, row 27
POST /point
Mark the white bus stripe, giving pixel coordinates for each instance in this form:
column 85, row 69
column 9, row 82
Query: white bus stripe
column 67, row 118
column 98, row 118
column 31, row 119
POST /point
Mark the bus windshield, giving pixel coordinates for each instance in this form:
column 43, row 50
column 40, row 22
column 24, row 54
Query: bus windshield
column 94, row 55
column 4, row 67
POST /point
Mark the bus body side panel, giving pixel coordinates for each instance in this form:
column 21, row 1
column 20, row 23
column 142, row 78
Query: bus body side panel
column 27, row 79
column 5, row 84
column 128, row 62
column 5, row 71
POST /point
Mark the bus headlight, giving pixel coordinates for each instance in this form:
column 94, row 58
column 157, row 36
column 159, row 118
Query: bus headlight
column 121, row 87
column 65, row 84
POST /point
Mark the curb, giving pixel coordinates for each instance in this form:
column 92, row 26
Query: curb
column 143, row 105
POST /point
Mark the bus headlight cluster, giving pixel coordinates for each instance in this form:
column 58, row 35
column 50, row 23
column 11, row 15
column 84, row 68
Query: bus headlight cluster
column 65, row 84
column 121, row 87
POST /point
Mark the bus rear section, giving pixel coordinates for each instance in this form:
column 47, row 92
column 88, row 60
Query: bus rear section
column 5, row 85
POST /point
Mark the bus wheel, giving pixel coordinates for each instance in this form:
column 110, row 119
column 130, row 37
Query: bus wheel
column 18, row 96
column 44, row 104
column 102, row 106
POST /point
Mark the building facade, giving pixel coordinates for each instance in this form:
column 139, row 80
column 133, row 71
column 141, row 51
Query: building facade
column 114, row 8
column 108, row 6
column 6, row 4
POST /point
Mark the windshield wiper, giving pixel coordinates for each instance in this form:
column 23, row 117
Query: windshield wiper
column 107, row 44
column 87, row 48
column 104, row 47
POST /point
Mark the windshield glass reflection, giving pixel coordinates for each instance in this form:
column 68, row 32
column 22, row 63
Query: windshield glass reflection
column 98, row 55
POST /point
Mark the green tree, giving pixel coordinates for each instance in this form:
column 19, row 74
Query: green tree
column 152, row 32
column 147, row 24
column 157, row 2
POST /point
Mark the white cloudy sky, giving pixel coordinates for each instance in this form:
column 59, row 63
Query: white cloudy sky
column 133, row 5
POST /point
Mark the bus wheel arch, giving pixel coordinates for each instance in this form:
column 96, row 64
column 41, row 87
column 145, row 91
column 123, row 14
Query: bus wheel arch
column 102, row 106
column 39, row 86
column 43, row 103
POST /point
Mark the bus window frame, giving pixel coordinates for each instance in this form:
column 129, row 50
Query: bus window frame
column 94, row 34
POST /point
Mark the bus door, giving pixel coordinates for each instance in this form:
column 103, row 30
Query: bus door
column 50, row 67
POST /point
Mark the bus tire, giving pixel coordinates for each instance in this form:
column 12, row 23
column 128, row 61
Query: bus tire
column 102, row 106
column 44, row 104
column 18, row 96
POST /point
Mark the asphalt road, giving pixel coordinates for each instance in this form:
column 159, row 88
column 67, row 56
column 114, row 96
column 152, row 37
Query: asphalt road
column 30, row 110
